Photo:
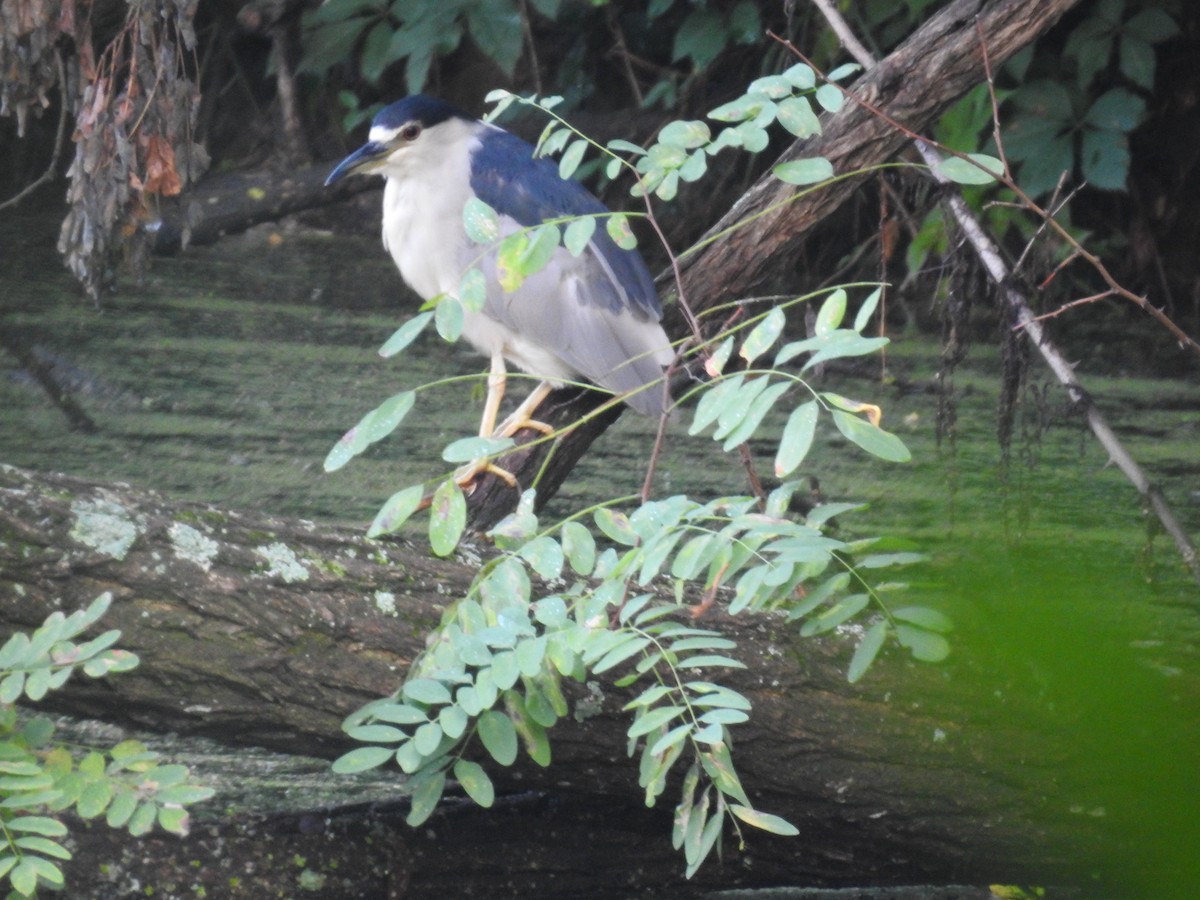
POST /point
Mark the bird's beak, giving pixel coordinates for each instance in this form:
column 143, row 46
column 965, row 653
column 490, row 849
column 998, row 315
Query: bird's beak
column 363, row 160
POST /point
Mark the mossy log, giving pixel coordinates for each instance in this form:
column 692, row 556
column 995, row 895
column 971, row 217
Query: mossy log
column 266, row 631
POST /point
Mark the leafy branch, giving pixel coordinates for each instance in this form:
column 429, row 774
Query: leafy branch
column 574, row 600
column 128, row 785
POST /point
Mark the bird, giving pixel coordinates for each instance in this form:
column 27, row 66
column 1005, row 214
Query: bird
column 595, row 316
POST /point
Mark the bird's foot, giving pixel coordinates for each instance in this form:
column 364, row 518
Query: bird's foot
column 466, row 476
column 515, row 423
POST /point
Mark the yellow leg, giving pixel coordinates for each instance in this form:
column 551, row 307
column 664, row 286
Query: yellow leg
column 520, row 417
column 496, row 383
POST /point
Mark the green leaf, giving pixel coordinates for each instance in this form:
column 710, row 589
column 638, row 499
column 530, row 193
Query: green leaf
column 469, row 449
column 143, row 819
column 718, row 763
column 724, row 717
column 497, row 30
column 765, row 821
column 447, row 517
column 374, row 426
column 43, row 846
column 829, row 97
column 427, row 690
column 802, row 76
column 758, row 409
column 579, row 547
column 454, row 721
column 448, row 318
column 708, row 839
column 615, row 526
column 618, row 229
column 804, row 171
column 377, row 734
column 845, row 70
column 866, row 651
column 409, row 758
column 578, row 234
column 694, row 556
column 924, row 617
column 1117, row 110
column 688, row 134
column 121, row 809
column 24, row 877
column 797, row 438
column 12, row 654
column 705, row 660
column 505, row 671
column 427, row 738
column 831, row 313
column 1151, row 25
column 797, row 116
column 842, row 611
column 94, row 799
column 507, row 588
column 960, row 171
column 499, row 736
column 397, row 510
column 874, row 440
column 174, row 819
column 375, row 55
column 571, row 159
column 763, row 336
column 472, row 290
column 715, row 401
column 551, row 612
column 654, row 718
column 924, row 645
column 426, row 794
column 481, row 221
column 714, row 695
column 553, row 139
column 675, row 736
column 701, row 37
column 1105, row 159
column 12, row 686
column 544, row 555
column 735, row 409
column 185, row 794
column 398, row 713
column 362, row 758
column 42, row 825
column 631, row 646
column 529, row 655
column 475, row 781
column 867, row 309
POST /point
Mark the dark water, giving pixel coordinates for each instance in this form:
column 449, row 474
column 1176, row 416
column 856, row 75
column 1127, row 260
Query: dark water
column 230, row 371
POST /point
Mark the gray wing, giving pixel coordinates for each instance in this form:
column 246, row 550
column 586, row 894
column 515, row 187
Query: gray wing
column 567, row 309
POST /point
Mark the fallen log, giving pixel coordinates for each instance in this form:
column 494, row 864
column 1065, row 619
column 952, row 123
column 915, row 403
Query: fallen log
column 265, row 631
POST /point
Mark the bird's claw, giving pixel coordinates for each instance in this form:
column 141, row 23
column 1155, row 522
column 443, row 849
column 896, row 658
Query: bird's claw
column 467, row 476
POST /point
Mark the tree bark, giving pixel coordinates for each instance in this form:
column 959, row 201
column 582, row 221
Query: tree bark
column 268, row 631
column 232, row 202
column 914, row 85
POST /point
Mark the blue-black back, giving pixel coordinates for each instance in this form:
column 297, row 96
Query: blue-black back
column 507, row 177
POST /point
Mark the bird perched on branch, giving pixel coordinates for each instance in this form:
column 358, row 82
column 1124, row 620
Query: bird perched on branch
column 593, row 316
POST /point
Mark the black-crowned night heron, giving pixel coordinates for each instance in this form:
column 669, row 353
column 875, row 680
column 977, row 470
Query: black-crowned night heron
column 593, row 316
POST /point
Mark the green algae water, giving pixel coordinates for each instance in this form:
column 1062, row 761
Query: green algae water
column 227, row 375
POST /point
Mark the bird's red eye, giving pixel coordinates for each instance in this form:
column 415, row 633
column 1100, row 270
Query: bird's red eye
column 410, row 132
